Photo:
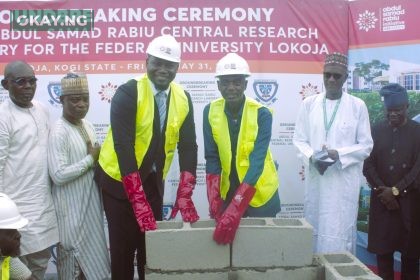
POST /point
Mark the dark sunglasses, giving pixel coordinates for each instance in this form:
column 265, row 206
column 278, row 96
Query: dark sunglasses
column 22, row 81
column 335, row 75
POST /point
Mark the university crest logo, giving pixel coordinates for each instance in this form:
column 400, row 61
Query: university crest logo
column 265, row 91
column 54, row 91
column 167, row 210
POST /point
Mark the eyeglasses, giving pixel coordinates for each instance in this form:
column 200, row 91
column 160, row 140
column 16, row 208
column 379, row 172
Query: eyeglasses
column 336, row 76
column 23, row 81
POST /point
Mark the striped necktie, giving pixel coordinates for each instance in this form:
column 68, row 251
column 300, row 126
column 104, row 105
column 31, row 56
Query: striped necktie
column 161, row 103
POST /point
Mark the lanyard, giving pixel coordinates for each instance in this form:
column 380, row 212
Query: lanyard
column 5, row 266
column 327, row 125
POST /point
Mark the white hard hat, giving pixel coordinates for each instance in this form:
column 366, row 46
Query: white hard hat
column 165, row 47
column 232, row 64
column 10, row 217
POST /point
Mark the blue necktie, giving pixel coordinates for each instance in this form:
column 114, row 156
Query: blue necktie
column 161, row 103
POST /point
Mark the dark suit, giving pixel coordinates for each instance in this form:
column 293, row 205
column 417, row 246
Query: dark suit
column 124, row 232
column 395, row 161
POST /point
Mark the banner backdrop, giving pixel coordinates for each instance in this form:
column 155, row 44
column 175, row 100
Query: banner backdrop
column 384, row 43
column 285, row 43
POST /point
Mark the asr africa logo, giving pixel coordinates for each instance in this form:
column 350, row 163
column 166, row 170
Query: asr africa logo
column 107, row 91
column 308, row 90
column 366, row 20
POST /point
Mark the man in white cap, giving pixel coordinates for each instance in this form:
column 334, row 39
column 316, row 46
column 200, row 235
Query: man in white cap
column 332, row 135
column 24, row 128
column 151, row 116
column 10, row 221
column 241, row 175
column 72, row 153
column 393, row 172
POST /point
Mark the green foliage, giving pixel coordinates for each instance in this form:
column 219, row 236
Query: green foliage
column 375, row 105
column 363, row 214
column 414, row 99
column 362, row 226
column 370, row 70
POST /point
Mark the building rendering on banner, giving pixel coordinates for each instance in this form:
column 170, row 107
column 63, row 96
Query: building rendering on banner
column 405, row 73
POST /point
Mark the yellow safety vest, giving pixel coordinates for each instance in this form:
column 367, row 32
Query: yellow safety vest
column 268, row 183
column 5, row 269
column 177, row 112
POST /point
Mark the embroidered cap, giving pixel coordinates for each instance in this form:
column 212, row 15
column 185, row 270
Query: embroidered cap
column 394, row 95
column 74, row 83
column 336, row 58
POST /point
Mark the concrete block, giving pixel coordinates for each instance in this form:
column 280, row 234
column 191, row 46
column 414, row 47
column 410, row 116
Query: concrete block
column 186, row 275
column 272, row 242
column 344, row 265
column 178, row 246
column 301, row 273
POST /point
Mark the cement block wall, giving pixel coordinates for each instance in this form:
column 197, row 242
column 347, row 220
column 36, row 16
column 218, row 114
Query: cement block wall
column 345, row 266
column 187, row 275
column 277, row 273
column 179, row 245
column 263, row 249
column 272, row 243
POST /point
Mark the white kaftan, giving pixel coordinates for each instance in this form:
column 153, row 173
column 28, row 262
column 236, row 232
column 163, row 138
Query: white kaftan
column 77, row 203
column 331, row 200
column 24, row 172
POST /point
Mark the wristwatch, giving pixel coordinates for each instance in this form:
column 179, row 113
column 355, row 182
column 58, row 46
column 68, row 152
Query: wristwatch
column 395, row 191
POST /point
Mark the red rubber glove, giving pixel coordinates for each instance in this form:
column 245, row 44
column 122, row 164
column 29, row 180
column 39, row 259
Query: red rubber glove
column 228, row 224
column 135, row 193
column 183, row 200
column 213, row 195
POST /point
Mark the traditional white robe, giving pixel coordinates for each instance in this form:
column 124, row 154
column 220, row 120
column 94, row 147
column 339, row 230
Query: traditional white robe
column 24, row 172
column 331, row 200
column 77, row 203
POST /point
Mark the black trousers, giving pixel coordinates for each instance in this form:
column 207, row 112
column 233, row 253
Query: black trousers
column 409, row 267
column 125, row 237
